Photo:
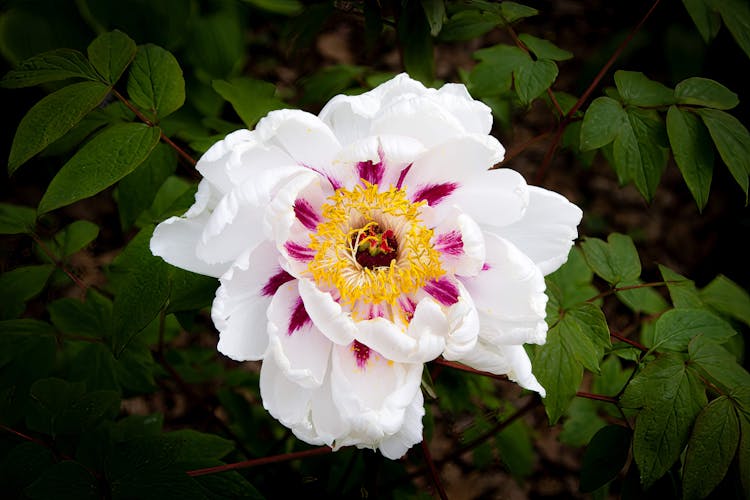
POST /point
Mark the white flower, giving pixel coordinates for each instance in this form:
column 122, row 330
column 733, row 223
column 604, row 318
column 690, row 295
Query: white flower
column 354, row 246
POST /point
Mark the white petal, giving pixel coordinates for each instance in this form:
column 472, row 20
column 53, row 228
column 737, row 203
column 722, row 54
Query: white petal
column 389, row 154
column 326, row 417
column 464, row 326
column 509, row 295
column 206, row 198
column 396, row 446
column 306, row 139
column 496, row 197
column 459, row 240
column 418, row 117
column 300, row 350
column 455, row 160
column 239, row 309
column 214, row 164
column 236, row 224
column 372, row 396
column 547, row 229
column 327, row 314
column 475, row 116
column 287, row 402
column 510, row 360
column 349, row 116
column 176, row 239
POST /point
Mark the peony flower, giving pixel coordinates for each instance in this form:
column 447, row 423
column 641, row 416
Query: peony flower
column 354, row 246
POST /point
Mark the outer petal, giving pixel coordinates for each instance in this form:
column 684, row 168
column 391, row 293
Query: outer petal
column 372, row 395
column 475, row 116
column 327, row 314
column 300, row 350
column 496, row 197
column 464, row 326
column 214, row 164
column 175, row 240
column 547, row 229
column 397, row 445
column 287, row 402
column 510, row 360
column 418, row 117
column 509, row 295
column 239, row 309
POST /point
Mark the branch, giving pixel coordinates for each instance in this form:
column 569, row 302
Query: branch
column 285, row 457
column 630, row 287
column 464, row 368
column 58, row 263
column 596, row 397
column 433, row 470
column 148, row 122
column 635, row 344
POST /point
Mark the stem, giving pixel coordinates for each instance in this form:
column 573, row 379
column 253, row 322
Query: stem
column 597, row 397
column 459, row 366
column 148, row 122
column 520, row 148
column 635, row 344
column 285, row 457
column 547, row 161
column 629, row 287
column 58, row 263
column 433, row 471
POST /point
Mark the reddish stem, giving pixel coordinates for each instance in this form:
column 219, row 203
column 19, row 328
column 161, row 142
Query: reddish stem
column 629, row 341
column 148, row 122
column 597, row 397
column 58, row 263
column 459, row 366
column 520, row 148
column 433, row 470
column 285, row 457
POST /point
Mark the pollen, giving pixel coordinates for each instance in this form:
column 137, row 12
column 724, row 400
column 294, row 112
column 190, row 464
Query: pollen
column 372, row 246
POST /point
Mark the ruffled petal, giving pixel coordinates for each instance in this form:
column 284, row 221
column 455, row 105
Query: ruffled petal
column 327, row 314
column 494, row 198
column 300, row 350
column 349, row 116
column 396, row 446
column 475, row 116
column 214, row 164
column 242, row 300
column 510, row 360
column 286, row 401
column 509, row 295
column 372, row 392
column 547, row 229
column 176, row 239
column 459, row 240
column 463, row 321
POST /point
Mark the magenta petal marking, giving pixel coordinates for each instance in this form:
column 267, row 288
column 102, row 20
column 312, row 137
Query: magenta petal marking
column 362, row 353
column 299, row 252
column 306, row 214
column 334, row 182
column 450, row 243
column 402, row 175
column 443, row 290
column 371, row 172
column 435, row 193
column 275, row 281
column 299, row 317
column 486, row 267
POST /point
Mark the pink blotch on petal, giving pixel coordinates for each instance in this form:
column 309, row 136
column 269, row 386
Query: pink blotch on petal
column 371, row 172
column 299, row 317
column 450, row 243
column 443, row 290
column 299, row 252
column 275, row 281
column 362, row 353
column 306, row 214
column 402, row 175
column 435, row 193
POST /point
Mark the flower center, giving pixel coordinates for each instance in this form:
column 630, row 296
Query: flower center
column 372, row 247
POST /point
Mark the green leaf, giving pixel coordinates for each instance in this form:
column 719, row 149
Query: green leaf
column 155, row 82
column 216, row 46
column 718, row 364
column 675, row 328
column 51, row 118
column 22, row 465
column 90, row 318
column 733, row 142
column 60, row 64
column 15, row 219
column 644, row 299
column 137, row 190
column 512, row 11
column 605, row 457
column 193, row 446
column 22, row 338
column 101, row 162
column 571, row 283
column 736, row 17
column 435, row 12
column 582, row 422
column 602, row 123
column 691, row 146
column 283, row 7
column 544, row 49
column 416, row 43
column 705, row 92
column 486, row 80
column 640, row 152
column 706, row 20
column 743, row 454
column 671, row 397
column 74, row 237
column 65, row 480
column 638, row 90
column 111, row 53
column 253, row 99
column 20, row 285
column 142, row 290
column 711, row 448
column 728, row 298
column 532, row 78
column 190, row 291
column 683, row 293
column 468, row 24
column 319, row 87
column 615, row 261
column 516, row 449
